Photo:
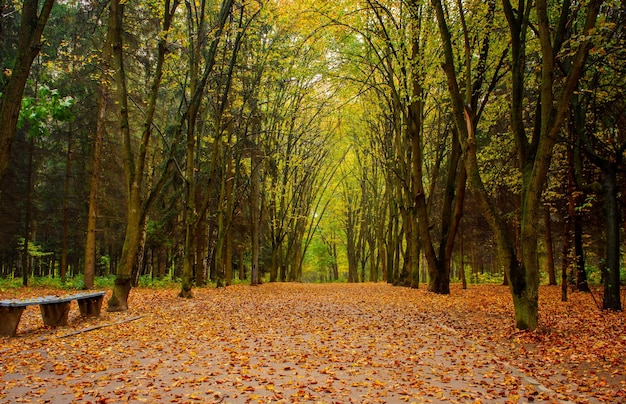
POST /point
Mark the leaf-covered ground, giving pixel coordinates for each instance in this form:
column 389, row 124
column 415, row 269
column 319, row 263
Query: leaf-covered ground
column 337, row 343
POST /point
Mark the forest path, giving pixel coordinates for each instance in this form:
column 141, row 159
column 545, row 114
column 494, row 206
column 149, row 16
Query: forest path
column 335, row 343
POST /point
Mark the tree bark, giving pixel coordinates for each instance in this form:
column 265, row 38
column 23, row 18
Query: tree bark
column 612, row 298
column 549, row 247
column 534, row 158
column 26, row 267
column 134, row 165
column 579, row 253
column 32, row 24
column 94, row 183
column 565, row 258
column 255, row 201
column 66, row 208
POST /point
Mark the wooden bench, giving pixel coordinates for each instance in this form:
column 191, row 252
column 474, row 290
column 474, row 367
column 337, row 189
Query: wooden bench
column 54, row 309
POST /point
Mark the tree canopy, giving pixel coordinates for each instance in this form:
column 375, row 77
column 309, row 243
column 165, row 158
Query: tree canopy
column 410, row 142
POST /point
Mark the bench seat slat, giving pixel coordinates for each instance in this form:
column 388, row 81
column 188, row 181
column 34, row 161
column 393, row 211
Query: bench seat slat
column 54, row 309
column 48, row 299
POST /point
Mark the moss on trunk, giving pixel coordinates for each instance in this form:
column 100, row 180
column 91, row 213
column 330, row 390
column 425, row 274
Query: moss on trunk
column 121, row 291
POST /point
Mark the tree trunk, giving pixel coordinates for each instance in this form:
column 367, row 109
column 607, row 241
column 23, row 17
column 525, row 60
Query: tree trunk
column 140, row 263
column 123, row 278
column 524, row 278
column 33, row 21
column 130, row 250
column 255, row 210
column 94, row 183
column 374, row 257
column 27, row 215
column 242, row 267
column 535, row 156
column 549, row 247
column 66, row 197
column 229, row 210
column 612, row 298
column 403, row 276
column 391, row 244
column 134, row 166
column 462, row 262
column 565, row 258
column 415, row 255
column 191, row 214
column 201, row 233
column 189, row 260
column 579, row 252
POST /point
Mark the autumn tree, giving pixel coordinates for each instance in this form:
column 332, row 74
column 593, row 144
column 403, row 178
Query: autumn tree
column 139, row 195
column 598, row 122
column 401, row 55
column 103, row 98
column 535, row 143
column 384, row 60
column 197, row 89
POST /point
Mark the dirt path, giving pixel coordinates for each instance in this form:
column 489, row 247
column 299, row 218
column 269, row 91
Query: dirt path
column 275, row 343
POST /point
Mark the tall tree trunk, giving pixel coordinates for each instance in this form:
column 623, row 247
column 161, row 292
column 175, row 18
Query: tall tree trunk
column 462, row 262
column 374, row 258
column 201, row 232
column 579, row 253
column 534, row 157
column 228, row 257
column 565, row 258
column 33, row 21
column 140, row 263
column 242, row 266
column 134, row 166
column 27, row 215
column 612, row 298
column 351, row 235
column 547, row 223
column 415, row 254
column 391, row 244
column 66, row 208
column 537, row 161
column 403, row 276
column 255, row 205
column 198, row 86
column 94, row 183
column 121, row 289
column 191, row 214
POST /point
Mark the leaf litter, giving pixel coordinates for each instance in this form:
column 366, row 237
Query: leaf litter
column 336, row 343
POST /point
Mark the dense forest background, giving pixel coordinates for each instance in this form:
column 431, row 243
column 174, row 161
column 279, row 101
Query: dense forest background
column 275, row 140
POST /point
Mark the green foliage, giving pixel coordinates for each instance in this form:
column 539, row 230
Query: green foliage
column 34, row 250
column 147, row 281
column 10, row 283
column 37, row 112
column 105, row 261
column 594, row 275
column 486, row 278
column 104, row 282
column 71, row 283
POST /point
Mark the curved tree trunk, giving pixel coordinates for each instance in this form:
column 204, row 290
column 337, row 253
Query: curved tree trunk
column 33, row 22
column 535, row 156
column 134, row 165
column 130, row 250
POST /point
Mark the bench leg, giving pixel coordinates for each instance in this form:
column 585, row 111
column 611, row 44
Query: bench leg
column 55, row 314
column 9, row 319
column 91, row 306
